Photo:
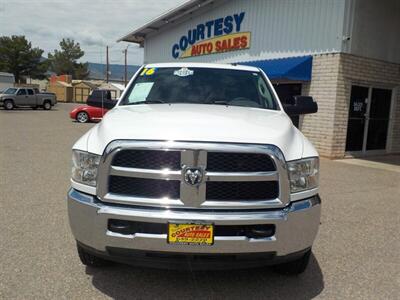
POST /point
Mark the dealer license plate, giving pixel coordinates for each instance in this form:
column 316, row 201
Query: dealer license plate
column 190, row 234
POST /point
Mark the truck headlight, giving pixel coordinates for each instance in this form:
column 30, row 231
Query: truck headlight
column 84, row 167
column 303, row 174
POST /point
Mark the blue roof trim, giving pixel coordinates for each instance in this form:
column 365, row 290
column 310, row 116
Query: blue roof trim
column 290, row 68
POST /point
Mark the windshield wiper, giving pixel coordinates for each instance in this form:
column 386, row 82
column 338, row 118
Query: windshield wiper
column 146, row 102
column 218, row 102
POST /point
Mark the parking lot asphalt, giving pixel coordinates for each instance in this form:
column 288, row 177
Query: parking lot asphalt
column 356, row 254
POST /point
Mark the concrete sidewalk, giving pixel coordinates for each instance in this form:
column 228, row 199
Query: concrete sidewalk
column 383, row 162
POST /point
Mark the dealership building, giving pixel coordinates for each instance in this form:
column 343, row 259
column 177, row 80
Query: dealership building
column 344, row 53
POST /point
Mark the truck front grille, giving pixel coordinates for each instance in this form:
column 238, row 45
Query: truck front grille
column 145, row 159
column 234, row 176
column 239, row 162
column 216, row 161
column 141, row 187
column 237, row 191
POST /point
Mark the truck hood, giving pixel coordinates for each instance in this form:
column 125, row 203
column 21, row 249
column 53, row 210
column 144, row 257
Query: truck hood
column 192, row 122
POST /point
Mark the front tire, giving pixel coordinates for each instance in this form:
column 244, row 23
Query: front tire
column 46, row 105
column 82, row 117
column 8, row 105
column 295, row 267
column 89, row 259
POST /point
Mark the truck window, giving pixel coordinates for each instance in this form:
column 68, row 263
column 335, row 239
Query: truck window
column 96, row 94
column 113, row 94
column 10, row 91
column 201, row 86
column 30, row 92
column 21, row 92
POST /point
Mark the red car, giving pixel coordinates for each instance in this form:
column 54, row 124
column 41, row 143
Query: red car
column 86, row 113
column 99, row 103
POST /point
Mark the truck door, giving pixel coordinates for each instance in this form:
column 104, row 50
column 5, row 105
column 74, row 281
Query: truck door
column 21, row 98
column 31, row 98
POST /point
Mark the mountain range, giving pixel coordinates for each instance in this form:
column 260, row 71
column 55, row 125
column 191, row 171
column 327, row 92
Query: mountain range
column 117, row 72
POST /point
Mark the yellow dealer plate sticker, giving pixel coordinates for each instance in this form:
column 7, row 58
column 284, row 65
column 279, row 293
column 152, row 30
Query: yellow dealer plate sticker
column 190, row 234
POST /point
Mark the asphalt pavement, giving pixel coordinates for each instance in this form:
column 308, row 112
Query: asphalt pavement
column 356, row 254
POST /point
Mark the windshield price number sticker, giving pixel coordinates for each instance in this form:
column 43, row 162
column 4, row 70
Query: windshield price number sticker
column 148, row 72
column 190, row 234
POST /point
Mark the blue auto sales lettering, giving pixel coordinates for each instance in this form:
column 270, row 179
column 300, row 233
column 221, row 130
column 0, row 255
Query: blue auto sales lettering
column 207, row 30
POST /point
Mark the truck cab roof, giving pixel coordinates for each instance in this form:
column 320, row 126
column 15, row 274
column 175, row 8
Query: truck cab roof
column 202, row 65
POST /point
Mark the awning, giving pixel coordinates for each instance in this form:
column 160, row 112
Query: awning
column 290, row 68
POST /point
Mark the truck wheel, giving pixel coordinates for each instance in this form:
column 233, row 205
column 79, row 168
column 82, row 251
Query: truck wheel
column 89, row 259
column 8, row 105
column 295, row 267
column 82, row 117
column 46, row 105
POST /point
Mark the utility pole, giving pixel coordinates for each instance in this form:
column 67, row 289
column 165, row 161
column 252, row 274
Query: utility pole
column 126, row 65
column 107, row 67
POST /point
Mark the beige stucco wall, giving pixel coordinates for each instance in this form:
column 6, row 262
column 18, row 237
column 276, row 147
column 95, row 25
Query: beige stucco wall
column 332, row 78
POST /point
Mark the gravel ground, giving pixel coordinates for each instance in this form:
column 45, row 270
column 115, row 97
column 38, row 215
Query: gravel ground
column 356, row 254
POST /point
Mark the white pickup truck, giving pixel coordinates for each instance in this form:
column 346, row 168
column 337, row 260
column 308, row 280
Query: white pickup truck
column 197, row 166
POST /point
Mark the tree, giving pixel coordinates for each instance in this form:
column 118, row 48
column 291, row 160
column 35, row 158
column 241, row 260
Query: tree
column 65, row 61
column 19, row 58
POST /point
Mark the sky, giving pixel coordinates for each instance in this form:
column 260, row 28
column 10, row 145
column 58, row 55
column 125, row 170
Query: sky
column 92, row 23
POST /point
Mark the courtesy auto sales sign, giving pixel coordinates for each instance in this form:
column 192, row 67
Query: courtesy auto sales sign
column 214, row 36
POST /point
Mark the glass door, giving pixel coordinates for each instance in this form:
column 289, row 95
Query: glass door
column 378, row 122
column 357, row 118
column 369, row 115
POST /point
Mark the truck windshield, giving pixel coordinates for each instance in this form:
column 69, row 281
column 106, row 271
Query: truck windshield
column 200, row 86
column 10, row 91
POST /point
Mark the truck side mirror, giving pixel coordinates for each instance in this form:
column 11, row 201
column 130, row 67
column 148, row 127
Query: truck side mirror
column 301, row 105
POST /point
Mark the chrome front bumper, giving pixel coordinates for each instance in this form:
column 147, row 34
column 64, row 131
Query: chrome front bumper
column 296, row 227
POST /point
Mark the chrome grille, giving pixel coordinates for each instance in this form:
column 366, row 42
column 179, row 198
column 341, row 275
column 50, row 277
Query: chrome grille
column 227, row 183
